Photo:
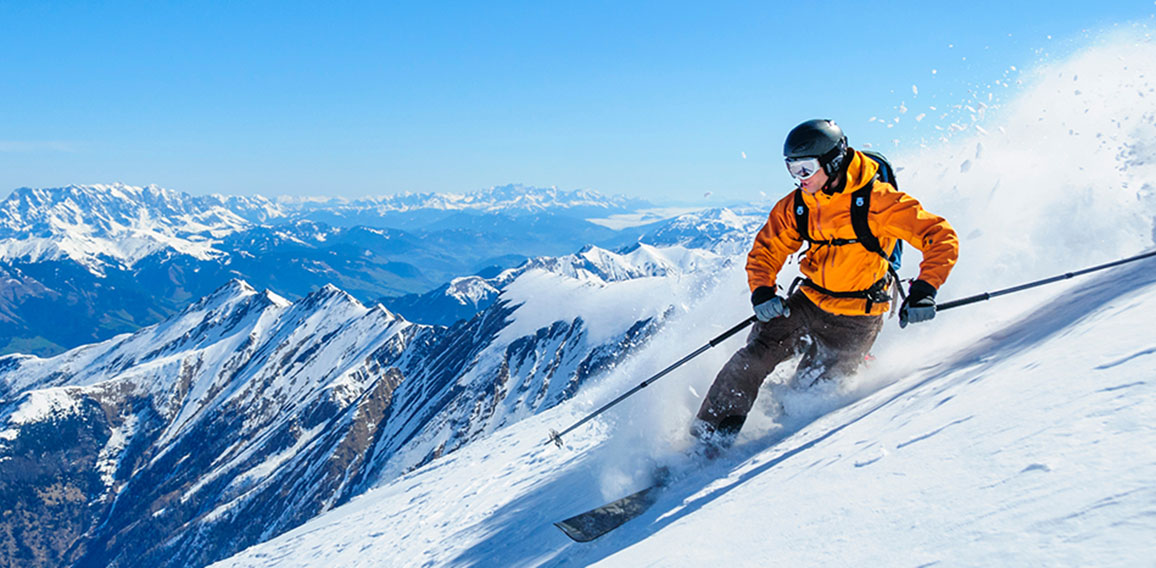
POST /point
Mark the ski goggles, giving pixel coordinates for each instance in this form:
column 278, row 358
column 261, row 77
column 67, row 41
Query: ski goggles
column 803, row 168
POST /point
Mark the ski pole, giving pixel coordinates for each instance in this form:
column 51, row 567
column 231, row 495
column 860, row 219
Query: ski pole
column 556, row 436
column 1057, row 278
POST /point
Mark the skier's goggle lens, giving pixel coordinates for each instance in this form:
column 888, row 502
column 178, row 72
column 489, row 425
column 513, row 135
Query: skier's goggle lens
column 803, row 168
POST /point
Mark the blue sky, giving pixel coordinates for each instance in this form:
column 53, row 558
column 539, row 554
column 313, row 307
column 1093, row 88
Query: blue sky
column 654, row 99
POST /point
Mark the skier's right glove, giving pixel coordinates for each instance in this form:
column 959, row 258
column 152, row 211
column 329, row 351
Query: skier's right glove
column 769, row 305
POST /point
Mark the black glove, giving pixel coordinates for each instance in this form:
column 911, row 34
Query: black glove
column 768, row 305
column 919, row 305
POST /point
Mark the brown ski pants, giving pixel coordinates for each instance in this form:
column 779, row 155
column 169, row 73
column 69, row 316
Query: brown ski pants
column 831, row 345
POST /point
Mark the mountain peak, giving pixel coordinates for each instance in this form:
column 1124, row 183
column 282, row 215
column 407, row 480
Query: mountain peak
column 231, row 291
column 329, row 295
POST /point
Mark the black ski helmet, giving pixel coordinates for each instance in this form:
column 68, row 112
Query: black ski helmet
column 819, row 138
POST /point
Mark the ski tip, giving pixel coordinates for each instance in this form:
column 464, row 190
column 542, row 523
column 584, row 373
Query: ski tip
column 576, row 534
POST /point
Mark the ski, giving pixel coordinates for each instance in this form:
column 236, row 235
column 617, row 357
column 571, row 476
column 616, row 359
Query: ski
column 594, row 523
column 585, row 527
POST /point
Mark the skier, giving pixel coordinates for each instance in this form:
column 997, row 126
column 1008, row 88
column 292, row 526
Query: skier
column 833, row 315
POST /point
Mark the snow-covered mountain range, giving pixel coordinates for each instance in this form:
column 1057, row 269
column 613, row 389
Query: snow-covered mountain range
column 119, row 224
column 111, row 259
column 98, row 225
column 246, row 414
column 513, row 198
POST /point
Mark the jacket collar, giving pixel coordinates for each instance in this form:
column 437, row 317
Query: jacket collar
column 860, row 172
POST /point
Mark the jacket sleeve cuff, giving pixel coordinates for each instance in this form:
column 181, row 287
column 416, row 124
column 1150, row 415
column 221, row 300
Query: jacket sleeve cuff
column 921, row 289
column 762, row 294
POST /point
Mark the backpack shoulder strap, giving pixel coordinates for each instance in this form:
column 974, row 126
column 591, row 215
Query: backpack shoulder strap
column 800, row 210
column 860, row 207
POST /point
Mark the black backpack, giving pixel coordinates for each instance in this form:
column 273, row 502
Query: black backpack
column 860, row 206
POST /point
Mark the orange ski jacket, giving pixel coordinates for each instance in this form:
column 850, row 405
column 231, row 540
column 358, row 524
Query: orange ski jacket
column 848, row 268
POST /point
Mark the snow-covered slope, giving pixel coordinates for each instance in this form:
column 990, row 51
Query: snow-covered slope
column 1032, row 446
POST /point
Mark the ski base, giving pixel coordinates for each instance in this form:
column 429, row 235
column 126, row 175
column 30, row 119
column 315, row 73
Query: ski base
column 594, row 523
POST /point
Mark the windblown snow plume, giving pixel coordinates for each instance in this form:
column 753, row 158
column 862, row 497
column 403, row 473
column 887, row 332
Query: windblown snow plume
column 1061, row 177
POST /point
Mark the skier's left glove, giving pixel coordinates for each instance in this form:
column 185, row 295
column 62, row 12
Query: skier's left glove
column 919, row 305
column 768, row 305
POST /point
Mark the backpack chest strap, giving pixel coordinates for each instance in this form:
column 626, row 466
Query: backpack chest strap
column 860, row 209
